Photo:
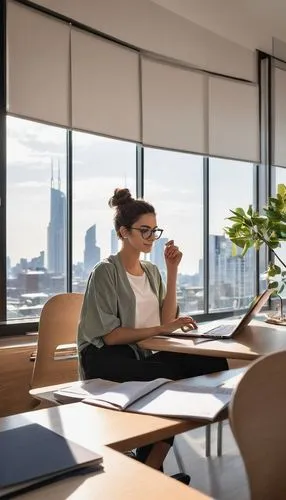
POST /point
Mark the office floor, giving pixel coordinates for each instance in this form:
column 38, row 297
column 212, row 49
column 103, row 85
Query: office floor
column 222, row 478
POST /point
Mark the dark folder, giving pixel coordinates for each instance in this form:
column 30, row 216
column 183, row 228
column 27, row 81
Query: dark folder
column 32, row 454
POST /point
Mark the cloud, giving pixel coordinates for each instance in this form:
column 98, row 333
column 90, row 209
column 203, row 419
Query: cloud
column 30, row 185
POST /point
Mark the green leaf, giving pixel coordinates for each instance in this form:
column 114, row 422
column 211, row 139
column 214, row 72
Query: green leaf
column 239, row 211
column 245, row 249
column 240, row 242
column 273, row 244
column 234, row 218
column 281, row 189
column 260, row 219
column 233, row 250
column 277, row 269
column 250, row 211
column 273, row 284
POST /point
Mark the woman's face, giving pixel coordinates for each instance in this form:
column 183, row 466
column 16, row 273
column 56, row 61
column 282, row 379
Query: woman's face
column 141, row 236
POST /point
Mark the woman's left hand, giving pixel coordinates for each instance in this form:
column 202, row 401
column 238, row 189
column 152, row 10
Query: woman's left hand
column 173, row 255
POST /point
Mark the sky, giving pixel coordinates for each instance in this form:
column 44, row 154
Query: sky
column 173, row 184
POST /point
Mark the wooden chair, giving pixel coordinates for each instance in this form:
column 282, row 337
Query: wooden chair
column 257, row 416
column 58, row 325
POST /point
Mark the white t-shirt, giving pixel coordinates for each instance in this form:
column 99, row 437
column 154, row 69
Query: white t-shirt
column 147, row 305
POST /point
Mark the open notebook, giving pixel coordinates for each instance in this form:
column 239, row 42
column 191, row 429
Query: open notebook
column 182, row 399
column 32, row 455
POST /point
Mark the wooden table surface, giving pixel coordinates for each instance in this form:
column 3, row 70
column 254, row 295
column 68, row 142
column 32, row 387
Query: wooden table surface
column 120, row 430
column 107, row 432
column 255, row 340
column 123, row 477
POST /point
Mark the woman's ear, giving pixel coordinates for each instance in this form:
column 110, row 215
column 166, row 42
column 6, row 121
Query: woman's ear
column 123, row 232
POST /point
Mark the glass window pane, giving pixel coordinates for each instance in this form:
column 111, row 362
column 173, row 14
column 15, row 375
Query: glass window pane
column 100, row 166
column 231, row 279
column 280, row 178
column 174, row 185
column 36, row 216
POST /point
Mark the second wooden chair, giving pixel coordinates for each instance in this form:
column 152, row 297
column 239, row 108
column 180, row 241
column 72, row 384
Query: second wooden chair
column 257, row 416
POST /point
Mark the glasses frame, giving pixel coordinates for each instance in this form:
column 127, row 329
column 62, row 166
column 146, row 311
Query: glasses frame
column 148, row 230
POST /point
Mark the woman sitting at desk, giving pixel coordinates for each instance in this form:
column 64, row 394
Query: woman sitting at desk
column 126, row 302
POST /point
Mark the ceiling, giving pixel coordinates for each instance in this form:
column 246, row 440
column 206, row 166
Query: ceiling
column 251, row 23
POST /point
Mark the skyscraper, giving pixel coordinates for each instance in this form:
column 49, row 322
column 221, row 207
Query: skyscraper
column 57, row 228
column 91, row 251
column 113, row 242
column 230, row 278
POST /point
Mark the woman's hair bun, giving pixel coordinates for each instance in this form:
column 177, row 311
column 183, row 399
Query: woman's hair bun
column 120, row 197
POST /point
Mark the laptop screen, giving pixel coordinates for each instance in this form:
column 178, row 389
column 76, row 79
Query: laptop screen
column 255, row 306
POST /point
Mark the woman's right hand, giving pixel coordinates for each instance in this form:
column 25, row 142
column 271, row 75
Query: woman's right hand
column 184, row 322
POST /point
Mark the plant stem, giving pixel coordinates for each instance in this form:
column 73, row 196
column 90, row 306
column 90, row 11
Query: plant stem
column 278, row 258
column 271, row 249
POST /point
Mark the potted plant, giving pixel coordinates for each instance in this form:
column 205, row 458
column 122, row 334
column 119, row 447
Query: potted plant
column 251, row 229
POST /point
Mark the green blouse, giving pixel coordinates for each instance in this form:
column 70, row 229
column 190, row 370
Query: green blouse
column 109, row 301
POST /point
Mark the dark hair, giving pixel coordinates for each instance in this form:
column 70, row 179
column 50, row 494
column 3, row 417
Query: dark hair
column 127, row 209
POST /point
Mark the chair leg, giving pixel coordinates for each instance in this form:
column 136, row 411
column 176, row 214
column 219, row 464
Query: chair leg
column 208, row 440
column 219, row 438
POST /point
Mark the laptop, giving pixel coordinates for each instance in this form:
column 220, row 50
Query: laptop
column 218, row 330
column 32, row 455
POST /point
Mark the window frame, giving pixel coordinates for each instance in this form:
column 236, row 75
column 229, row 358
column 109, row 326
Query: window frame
column 262, row 185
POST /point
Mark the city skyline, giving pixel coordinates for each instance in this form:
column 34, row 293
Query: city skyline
column 173, row 183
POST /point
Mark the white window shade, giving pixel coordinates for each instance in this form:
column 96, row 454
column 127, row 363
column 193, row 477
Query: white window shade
column 173, row 107
column 279, row 117
column 233, row 120
column 38, row 66
column 105, row 87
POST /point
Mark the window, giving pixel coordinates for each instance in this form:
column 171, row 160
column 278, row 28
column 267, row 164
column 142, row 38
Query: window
column 174, row 185
column 36, row 216
column 280, row 178
column 231, row 279
column 100, row 166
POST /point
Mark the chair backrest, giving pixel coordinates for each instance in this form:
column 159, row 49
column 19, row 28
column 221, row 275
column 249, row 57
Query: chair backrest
column 257, row 416
column 58, row 325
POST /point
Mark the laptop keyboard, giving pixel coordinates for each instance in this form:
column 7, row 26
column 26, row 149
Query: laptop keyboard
column 220, row 330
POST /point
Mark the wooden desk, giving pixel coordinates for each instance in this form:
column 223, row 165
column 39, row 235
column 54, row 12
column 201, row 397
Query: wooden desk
column 123, row 477
column 102, row 429
column 255, row 340
column 122, row 430
column 100, row 426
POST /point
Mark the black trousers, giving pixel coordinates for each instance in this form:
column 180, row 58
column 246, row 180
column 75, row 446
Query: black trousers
column 119, row 363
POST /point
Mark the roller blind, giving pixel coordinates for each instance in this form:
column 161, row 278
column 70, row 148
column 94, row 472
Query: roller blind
column 38, row 65
column 156, row 29
column 105, row 87
column 279, row 117
column 233, row 119
column 173, row 107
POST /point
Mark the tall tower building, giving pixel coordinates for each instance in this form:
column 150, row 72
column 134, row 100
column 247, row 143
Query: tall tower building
column 91, row 251
column 113, row 242
column 57, row 228
column 230, row 278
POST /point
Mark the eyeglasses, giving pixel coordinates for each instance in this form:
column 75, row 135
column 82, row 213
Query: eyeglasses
column 147, row 232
